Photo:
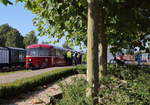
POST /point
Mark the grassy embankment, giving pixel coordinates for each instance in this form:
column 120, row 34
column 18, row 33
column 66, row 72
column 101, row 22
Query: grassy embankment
column 26, row 84
column 123, row 86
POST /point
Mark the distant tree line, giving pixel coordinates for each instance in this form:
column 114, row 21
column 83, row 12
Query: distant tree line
column 11, row 37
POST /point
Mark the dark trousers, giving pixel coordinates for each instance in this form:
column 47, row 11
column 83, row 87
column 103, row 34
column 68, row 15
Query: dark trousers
column 75, row 61
column 69, row 61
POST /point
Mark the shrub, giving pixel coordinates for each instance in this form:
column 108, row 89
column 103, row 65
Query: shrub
column 23, row 85
column 81, row 69
column 74, row 94
column 133, row 90
column 136, row 90
column 126, row 73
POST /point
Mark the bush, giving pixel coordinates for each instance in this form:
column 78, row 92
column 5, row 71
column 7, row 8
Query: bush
column 74, row 94
column 23, row 85
column 127, row 72
column 135, row 90
column 81, row 69
column 123, row 86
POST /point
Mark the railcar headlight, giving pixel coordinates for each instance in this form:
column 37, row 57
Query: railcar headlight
column 30, row 60
column 46, row 59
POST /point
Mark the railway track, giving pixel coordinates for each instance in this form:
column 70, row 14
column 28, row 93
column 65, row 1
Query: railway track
column 20, row 75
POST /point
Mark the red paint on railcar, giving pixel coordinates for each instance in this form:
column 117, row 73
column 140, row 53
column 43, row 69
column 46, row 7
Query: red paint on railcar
column 38, row 62
column 42, row 55
column 40, row 45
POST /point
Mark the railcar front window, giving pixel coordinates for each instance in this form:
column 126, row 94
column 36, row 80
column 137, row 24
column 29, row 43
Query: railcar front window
column 38, row 52
column 32, row 52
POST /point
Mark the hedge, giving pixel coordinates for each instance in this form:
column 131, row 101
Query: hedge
column 81, row 69
column 26, row 84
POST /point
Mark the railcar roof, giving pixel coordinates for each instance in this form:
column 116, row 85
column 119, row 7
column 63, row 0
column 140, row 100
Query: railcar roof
column 47, row 46
column 40, row 45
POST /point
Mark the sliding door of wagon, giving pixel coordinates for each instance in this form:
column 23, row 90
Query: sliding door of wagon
column 4, row 56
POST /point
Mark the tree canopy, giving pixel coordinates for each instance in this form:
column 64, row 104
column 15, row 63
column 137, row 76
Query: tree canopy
column 6, row 2
column 10, row 37
column 131, row 21
column 66, row 45
column 126, row 21
column 30, row 38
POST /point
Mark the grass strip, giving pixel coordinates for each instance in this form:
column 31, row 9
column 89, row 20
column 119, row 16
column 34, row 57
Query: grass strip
column 7, row 73
column 26, row 84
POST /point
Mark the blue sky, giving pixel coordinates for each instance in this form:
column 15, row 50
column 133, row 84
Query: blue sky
column 17, row 17
column 20, row 18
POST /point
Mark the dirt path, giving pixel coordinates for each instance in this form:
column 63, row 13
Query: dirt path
column 42, row 96
column 20, row 75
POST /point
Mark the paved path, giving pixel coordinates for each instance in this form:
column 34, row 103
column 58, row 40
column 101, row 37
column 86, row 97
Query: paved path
column 20, row 75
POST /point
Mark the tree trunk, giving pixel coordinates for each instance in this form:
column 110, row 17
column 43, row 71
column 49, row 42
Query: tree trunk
column 103, row 55
column 92, row 55
column 102, row 46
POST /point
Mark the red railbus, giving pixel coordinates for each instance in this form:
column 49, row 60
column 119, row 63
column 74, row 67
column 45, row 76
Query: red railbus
column 44, row 55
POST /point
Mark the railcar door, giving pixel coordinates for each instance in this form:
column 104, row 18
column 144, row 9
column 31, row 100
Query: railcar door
column 52, row 57
column 59, row 60
column 43, row 60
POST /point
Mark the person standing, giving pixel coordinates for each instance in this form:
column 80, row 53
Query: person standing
column 75, row 58
column 69, row 57
column 79, row 58
column 139, row 59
